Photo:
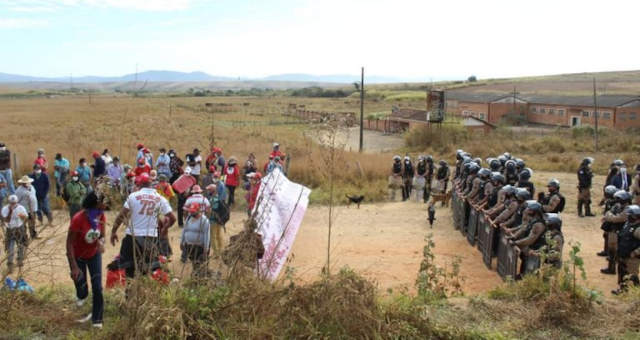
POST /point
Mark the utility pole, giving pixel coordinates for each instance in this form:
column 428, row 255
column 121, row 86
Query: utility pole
column 595, row 113
column 361, row 107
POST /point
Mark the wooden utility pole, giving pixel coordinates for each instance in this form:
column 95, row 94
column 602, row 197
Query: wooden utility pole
column 361, row 108
column 595, row 114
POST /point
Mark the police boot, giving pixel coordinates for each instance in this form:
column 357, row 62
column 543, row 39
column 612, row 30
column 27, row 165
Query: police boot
column 587, row 209
column 611, row 267
column 580, row 209
column 605, row 252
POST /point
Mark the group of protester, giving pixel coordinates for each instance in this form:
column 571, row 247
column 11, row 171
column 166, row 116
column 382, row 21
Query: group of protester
column 504, row 193
column 148, row 190
column 420, row 179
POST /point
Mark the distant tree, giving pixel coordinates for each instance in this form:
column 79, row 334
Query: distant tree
column 357, row 86
column 472, row 79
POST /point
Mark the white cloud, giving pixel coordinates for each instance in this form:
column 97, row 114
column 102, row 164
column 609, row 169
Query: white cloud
column 141, row 5
column 17, row 23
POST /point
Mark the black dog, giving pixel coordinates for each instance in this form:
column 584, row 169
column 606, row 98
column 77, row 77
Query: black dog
column 432, row 214
column 355, row 199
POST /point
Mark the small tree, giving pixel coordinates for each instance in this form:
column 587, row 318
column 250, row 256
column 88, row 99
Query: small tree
column 472, row 79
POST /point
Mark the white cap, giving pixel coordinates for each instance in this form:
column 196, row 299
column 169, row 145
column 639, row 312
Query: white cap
column 275, row 144
column 187, row 170
column 13, row 199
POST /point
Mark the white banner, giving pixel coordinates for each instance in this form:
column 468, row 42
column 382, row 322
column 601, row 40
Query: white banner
column 279, row 211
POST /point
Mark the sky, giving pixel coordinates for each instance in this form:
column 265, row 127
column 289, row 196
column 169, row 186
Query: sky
column 413, row 39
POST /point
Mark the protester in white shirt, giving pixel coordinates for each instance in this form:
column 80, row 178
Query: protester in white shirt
column 15, row 216
column 150, row 216
column 26, row 194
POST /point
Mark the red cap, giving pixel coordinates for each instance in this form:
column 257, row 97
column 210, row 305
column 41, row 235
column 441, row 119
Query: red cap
column 193, row 207
column 257, row 175
column 216, row 149
column 145, row 150
column 139, row 146
column 95, row 154
column 74, row 173
column 143, row 179
column 212, row 168
column 141, row 161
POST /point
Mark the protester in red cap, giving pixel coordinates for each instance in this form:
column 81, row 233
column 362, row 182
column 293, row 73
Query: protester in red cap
column 195, row 239
column 276, row 151
column 255, row 180
column 232, row 174
column 208, row 178
column 203, row 203
column 148, row 157
column 41, row 161
column 142, row 167
column 99, row 166
column 211, row 158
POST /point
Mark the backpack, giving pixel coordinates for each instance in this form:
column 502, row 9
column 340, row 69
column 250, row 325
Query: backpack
column 223, row 213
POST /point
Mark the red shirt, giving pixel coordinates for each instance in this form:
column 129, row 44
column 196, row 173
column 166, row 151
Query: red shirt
column 255, row 189
column 140, row 170
column 42, row 162
column 233, row 175
column 80, row 224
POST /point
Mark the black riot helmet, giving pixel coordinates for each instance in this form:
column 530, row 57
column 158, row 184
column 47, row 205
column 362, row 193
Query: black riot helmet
column 494, row 164
column 587, row 161
column 497, row 177
column 502, row 159
column 484, row 173
column 509, row 190
column 610, row 190
column 429, row 159
column 443, row 163
column 553, row 221
column 510, row 165
column 534, row 206
column 474, row 168
column 522, row 194
column 524, row 175
column 622, row 196
column 520, row 164
column 553, row 184
column 633, row 212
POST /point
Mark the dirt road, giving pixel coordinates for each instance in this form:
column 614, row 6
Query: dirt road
column 373, row 141
column 382, row 241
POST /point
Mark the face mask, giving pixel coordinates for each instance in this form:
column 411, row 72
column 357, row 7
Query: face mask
column 171, row 155
column 75, row 178
column 3, row 148
column 162, row 154
column 84, row 164
column 38, row 172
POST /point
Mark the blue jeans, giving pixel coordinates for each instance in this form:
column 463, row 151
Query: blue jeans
column 43, row 208
column 8, row 176
column 82, row 290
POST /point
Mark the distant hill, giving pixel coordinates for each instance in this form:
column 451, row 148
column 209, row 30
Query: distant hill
column 174, row 76
column 164, row 76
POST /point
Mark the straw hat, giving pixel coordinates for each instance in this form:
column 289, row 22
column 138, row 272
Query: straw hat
column 25, row 179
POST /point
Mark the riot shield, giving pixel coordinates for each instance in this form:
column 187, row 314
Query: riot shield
column 507, row 258
column 472, row 226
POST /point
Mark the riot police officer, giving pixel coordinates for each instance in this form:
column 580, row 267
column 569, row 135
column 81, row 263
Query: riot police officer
column 629, row 249
column 585, row 176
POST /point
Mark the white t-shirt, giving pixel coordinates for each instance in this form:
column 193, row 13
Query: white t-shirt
column 198, row 198
column 16, row 221
column 196, row 168
column 145, row 206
